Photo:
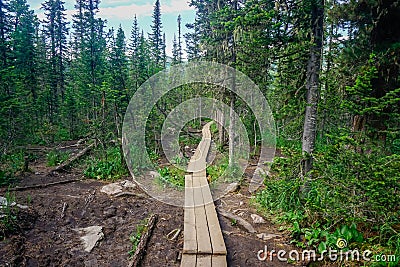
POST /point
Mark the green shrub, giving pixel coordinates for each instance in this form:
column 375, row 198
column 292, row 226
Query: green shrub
column 8, row 220
column 55, row 158
column 135, row 237
column 349, row 192
column 172, row 176
column 108, row 166
column 218, row 167
column 10, row 165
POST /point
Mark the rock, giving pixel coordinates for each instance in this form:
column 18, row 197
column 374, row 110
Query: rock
column 92, row 235
column 231, row 188
column 111, row 189
column 128, row 184
column 257, row 219
column 3, row 202
column 265, row 236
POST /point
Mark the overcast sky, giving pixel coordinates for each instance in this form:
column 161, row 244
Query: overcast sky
column 118, row 12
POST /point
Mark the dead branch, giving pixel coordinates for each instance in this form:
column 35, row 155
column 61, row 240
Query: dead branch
column 122, row 194
column 144, row 239
column 72, row 159
column 240, row 221
column 44, row 185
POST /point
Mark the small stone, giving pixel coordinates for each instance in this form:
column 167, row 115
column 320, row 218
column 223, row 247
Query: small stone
column 265, row 236
column 128, row 184
column 231, row 188
column 257, row 218
column 111, row 189
column 92, row 235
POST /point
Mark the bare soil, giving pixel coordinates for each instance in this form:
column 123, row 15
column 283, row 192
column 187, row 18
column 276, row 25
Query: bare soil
column 46, row 233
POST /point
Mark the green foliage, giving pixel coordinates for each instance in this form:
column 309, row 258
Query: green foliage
column 217, row 168
column 172, row 176
column 135, row 237
column 357, row 189
column 189, row 140
column 10, row 165
column 108, row 166
column 55, row 158
column 8, row 214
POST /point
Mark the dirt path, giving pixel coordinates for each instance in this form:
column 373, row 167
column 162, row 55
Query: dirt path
column 48, row 235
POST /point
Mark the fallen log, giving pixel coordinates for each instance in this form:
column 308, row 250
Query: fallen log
column 72, row 159
column 144, row 239
column 43, row 185
column 240, row 221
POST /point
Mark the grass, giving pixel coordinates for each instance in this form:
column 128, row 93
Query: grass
column 217, row 169
column 172, row 176
column 55, row 158
column 135, row 236
column 351, row 195
column 8, row 215
column 106, row 165
column 10, row 165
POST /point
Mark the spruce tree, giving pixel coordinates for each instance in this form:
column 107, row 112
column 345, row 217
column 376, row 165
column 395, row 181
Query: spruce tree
column 55, row 32
column 156, row 36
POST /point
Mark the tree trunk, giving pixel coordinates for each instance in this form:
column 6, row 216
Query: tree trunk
column 313, row 70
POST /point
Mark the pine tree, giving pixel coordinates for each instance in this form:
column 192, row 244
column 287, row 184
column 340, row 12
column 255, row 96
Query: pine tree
column 134, row 59
column 89, row 62
column 156, row 36
column 312, row 83
column 24, row 88
column 175, row 51
column 4, row 31
column 56, row 31
column 179, row 48
column 134, row 39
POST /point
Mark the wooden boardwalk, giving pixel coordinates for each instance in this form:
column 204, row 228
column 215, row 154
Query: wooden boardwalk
column 203, row 241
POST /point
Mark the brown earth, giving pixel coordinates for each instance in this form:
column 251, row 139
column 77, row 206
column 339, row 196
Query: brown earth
column 46, row 234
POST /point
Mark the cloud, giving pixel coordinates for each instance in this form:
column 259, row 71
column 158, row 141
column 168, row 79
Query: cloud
column 128, row 11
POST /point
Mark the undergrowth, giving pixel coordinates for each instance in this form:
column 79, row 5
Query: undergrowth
column 108, row 164
column 172, row 176
column 10, row 165
column 351, row 193
column 55, row 158
column 136, row 236
column 8, row 215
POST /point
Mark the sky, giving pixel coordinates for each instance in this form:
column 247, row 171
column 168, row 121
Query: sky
column 122, row 12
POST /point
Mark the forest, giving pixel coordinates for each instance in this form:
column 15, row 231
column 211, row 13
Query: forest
column 329, row 69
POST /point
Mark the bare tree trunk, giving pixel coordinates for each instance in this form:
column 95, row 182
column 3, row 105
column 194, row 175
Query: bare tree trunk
column 231, row 129
column 313, row 70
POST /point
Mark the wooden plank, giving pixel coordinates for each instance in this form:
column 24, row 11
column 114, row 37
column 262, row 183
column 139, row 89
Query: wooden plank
column 205, row 189
column 203, row 261
column 203, row 237
column 189, row 221
column 188, row 260
column 217, row 240
column 218, row 261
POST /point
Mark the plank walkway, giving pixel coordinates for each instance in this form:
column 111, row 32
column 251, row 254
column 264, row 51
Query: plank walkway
column 203, row 241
